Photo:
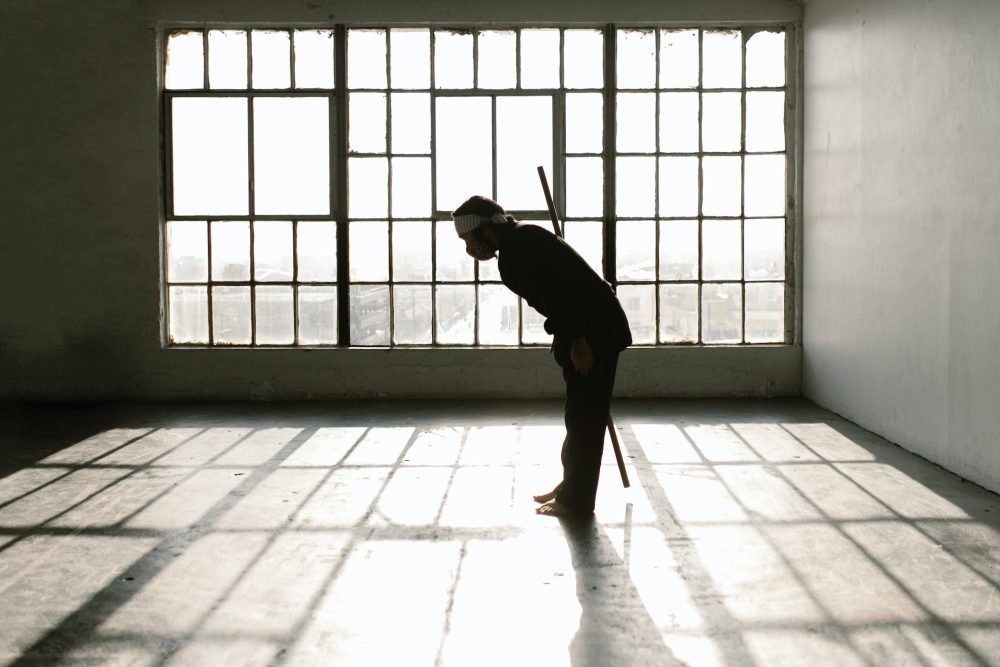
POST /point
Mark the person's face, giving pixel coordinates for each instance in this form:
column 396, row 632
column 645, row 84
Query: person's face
column 478, row 247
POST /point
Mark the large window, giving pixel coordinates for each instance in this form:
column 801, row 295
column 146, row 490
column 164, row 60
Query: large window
column 311, row 173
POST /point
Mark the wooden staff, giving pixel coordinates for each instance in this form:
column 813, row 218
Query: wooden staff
column 612, row 431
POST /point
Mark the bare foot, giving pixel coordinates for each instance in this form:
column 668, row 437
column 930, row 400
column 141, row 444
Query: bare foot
column 553, row 508
column 545, row 497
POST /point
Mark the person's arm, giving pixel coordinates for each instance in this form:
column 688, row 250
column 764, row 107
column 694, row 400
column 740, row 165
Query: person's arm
column 582, row 356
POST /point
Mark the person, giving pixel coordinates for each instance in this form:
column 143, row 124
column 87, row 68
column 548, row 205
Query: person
column 588, row 326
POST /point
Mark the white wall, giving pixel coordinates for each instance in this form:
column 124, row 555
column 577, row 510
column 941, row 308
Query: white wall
column 901, row 328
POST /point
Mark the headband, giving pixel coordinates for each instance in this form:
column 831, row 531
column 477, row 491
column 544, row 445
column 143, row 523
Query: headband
column 466, row 223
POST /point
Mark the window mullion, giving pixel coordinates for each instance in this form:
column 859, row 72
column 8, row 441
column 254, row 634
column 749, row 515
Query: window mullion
column 610, row 85
column 340, row 149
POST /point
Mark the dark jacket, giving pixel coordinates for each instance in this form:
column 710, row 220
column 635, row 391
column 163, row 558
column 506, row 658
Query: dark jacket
column 556, row 281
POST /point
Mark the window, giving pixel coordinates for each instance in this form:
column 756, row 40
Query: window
column 311, row 174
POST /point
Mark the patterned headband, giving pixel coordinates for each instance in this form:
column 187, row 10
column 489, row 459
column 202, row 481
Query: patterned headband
column 466, row 223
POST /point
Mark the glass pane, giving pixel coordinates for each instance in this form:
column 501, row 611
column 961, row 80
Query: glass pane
column 369, row 314
column 765, row 185
column 231, row 315
column 411, row 251
column 587, row 238
column 188, row 314
column 411, row 123
column 411, row 187
column 366, row 59
column 367, row 122
column 720, row 242
column 766, row 59
column 369, row 251
column 533, row 326
column 721, row 122
column 231, row 251
column 764, row 249
column 455, row 314
column 678, row 58
column 272, row 250
column 291, row 155
column 275, row 316
column 272, row 58
column 539, row 58
column 464, row 149
column 765, row 121
column 187, row 252
column 583, row 64
column 678, row 313
column 209, row 156
column 639, row 303
column 452, row 59
column 722, row 65
column 721, row 312
column 678, row 186
column 313, row 59
column 498, row 321
column 636, row 59
column 317, row 315
column 679, row 250
column 185, row 63
column 317, row 251
column 497, row 59
column 227, row 59
column 410, row 57
column 584, row 186
column 636, row 186
column 368, row 187
column 451, row 263
column 721, row 183
column 636, row 123
column 584, row 123
column 524, row 141
column 488, row 271
column 636, row 249
column 412, row 311
column 679, row 122
column 765, row 317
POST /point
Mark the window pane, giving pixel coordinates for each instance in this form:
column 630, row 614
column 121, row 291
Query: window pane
column 539, row 58
column 411, row 187
column 765, row 318
column 317, row 251
column 639, row 303
column 722, row 55
column 721, row 123
column 272, row 59
column 366, row 59
column 209, row 156
column 721, row 182
column 188, row 314
column 636, row 59
column 678, row 186
column 455, row 314
column 275, row 317
column 411, row 57
column 498, row 321
column 765, row 185
column 411, row 123
column 587, row 238
column 524, row 141
column 584, row 123
column 185, row 63
column 679, row 122
column 678, row 58
column 317, row 315
column 367, row 122
column 368, row 187
column 720, row 241
column 765, row 121
column 369, row 314
column 766, row 59
column 583, row 63
column 721, row 311
column 464, row 149
column 488, row 271
column 369, row 251
column 533, row 326
column 231, row 251
column 679, row 250
column 452, row 59
column 231, row 315
column 451, row 264
column 227, row 59
column 411, row 251
column 636, row 249
column 636, row 186
column 412, row 311
column 291, row 155
column 187, row 252
column 272, row 249
column 314, row 59
column 678, row 313
column 497, row 59
column 764, row 249
column 584, row 186
column 636, row 123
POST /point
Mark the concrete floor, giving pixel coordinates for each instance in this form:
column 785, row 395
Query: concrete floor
column 755, row 533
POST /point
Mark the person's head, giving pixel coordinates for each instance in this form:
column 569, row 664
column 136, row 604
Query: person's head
column 474, row 222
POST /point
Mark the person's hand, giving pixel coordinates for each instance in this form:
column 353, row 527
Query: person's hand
column 581, row 356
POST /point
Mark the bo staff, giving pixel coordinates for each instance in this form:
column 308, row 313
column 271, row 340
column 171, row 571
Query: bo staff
column 558, row 231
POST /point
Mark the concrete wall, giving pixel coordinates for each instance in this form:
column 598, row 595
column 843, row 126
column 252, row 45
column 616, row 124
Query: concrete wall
column 80, row 314
column 902, row 223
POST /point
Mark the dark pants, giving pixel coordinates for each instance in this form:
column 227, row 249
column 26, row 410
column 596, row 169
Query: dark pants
column 588, row 402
